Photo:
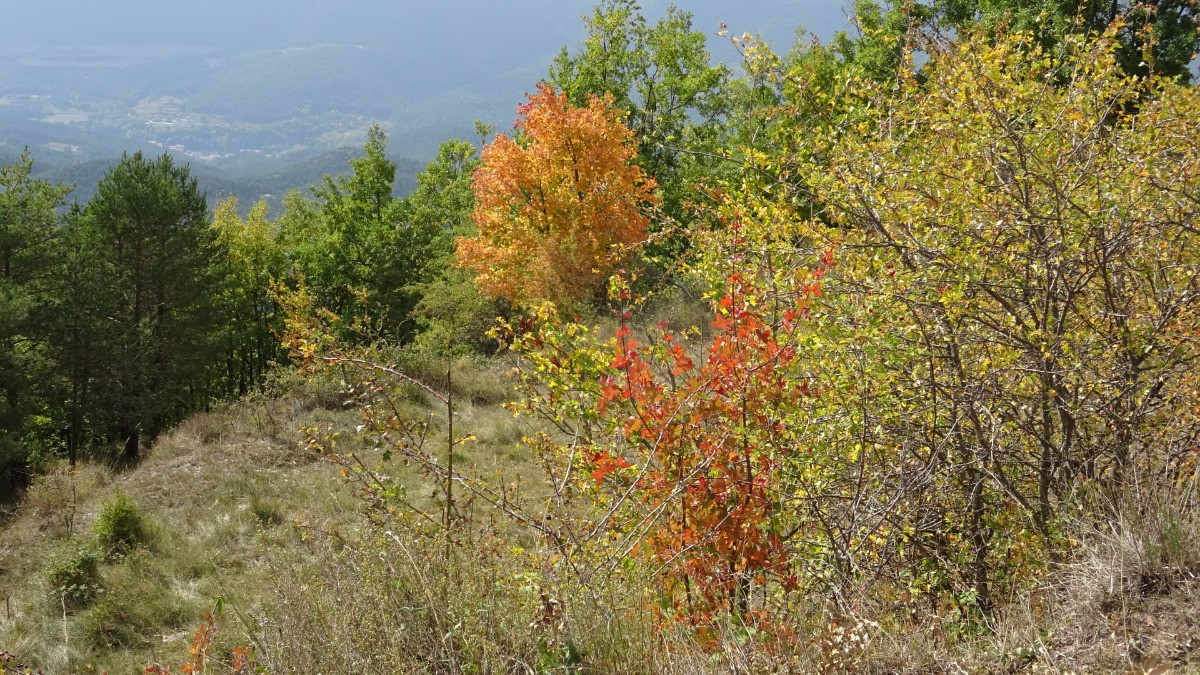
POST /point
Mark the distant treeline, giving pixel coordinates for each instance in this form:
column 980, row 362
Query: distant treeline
column 270, row 182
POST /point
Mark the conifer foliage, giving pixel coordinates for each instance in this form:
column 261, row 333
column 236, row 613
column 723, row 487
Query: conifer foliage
column 149, row 230
column 28, row 222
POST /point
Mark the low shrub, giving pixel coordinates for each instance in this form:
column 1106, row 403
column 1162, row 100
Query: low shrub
column 110, row 623
column 138, row 604
column 74, row 578
column 121, row 527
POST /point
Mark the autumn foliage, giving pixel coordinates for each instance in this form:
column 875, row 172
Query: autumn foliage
column 902, row 339
column 680, row 444
column 956, row 314
column 558, row 206
column 708, row 440
column 993, row 347
column 200, row 659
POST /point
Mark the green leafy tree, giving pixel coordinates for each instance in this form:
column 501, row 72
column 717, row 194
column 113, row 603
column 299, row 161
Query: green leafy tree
column 1155, row 36
column 254, row 261
column 1158, row 37
column 355, row 214
column 450, row 313
column 443, row 199
column 416, row 251
column 781, row 99
column 365, row 253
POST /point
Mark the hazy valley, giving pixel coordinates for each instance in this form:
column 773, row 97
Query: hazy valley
column 254, row 111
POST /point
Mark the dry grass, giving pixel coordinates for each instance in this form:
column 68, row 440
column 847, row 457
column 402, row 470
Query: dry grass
column 242, row 514
column 1127, row 601
column 394, row 601
column 236, row 500
column 1124, row 601
column 217, row 493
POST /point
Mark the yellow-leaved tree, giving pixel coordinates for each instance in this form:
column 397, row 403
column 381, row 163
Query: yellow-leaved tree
column 1010, row 327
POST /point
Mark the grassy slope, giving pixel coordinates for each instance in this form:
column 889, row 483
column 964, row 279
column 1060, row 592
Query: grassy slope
column 219, row 493
column 241, row 511
column 234, row 499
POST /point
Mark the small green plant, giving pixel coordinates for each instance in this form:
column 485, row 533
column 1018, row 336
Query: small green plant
column 74, row 579
column 1172, row 545
column 121, row 527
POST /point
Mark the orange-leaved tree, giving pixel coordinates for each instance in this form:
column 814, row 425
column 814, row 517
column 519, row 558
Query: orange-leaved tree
column 559, row 206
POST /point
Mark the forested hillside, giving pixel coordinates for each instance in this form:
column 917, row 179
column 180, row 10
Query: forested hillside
column 879, row 354
column 258, row 181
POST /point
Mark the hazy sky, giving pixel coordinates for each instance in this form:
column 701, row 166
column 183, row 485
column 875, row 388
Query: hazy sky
column 431, row 24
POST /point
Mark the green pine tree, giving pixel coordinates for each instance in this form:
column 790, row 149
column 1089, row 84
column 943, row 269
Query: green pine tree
column 148, row 225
